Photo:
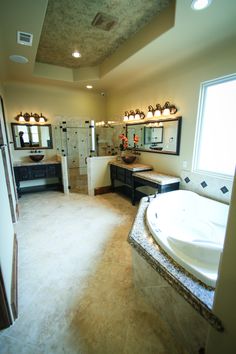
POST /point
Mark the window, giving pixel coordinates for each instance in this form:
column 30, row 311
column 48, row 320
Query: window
column 215, row 141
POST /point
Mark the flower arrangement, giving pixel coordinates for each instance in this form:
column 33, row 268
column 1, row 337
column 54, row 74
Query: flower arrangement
column 124, row 141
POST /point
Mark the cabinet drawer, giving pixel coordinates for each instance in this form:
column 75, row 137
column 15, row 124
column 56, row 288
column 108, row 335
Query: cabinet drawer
column 22, row 173
column 38, row 172
column 53, row 171
column 120, row 174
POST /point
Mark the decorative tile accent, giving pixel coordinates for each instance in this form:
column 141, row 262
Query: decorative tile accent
column 187, row 180
column 213, row 189
column 224, row 189
column 204, row 184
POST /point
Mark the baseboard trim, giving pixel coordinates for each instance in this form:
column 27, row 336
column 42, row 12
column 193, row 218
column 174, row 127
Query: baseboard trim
column 102, row 190
column 14, row 280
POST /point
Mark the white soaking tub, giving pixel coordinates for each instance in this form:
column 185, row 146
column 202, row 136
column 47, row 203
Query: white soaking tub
column 191, row 229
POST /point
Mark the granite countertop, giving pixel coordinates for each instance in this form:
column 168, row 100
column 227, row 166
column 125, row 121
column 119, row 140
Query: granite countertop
column 31, row 163
column 194, row 292
column 135, row 167
column 157, row 177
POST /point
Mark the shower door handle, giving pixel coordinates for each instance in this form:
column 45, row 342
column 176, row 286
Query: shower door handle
column 85, row 160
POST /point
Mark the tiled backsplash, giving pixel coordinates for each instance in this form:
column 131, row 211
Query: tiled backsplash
column 212, row 187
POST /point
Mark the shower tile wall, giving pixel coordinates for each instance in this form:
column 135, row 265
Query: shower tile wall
column 108, row 139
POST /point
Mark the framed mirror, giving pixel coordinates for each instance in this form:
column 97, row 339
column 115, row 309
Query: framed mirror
column 159, row 136
column 30, row 136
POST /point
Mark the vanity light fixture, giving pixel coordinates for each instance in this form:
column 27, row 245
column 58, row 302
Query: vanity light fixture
column 150, row 112
column 166, row 109
column 30, row 118
column 131, row 115
column 126, row 116
column 200, row 4
column 76, row 54
column 158, row 110
column 89, row 87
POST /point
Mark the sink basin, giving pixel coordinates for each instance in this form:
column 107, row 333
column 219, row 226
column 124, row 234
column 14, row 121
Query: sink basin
column 36, row 157
column 128, row 158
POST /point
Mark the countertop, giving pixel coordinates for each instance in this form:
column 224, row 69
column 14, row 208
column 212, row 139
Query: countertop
column 134, row 167
column 31, row 163
column 194, row 292
column 157, row 177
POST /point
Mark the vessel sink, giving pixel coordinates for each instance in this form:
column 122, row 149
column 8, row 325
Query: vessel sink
column 36, row 157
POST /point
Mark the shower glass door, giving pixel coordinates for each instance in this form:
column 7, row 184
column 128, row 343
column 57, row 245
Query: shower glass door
column 74, row 141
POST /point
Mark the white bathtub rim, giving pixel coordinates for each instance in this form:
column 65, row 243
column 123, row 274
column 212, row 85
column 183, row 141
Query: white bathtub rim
column 206, row 273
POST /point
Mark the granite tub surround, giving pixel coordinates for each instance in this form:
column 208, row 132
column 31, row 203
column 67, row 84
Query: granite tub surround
column 134, row 167
column 183, row 321
column 193, row 291
column 76, row 291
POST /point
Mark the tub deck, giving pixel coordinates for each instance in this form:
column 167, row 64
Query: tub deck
column 199, row 296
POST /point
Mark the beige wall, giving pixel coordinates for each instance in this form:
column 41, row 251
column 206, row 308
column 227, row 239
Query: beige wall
column 224, row 305
column 52, row 101
column 180, row 85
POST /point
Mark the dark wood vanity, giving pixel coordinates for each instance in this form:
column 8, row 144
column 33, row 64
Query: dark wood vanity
column 33, row 171
column 131, row 176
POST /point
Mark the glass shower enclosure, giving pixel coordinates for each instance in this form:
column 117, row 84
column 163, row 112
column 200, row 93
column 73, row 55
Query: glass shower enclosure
column 75, row 139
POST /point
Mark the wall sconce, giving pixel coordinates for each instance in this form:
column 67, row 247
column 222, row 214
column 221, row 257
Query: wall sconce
column 131, row 115
column 139, row 115
column 158, row 110
column 168, row 109
column 126, row 116
column 30, row 118
column 150, row 112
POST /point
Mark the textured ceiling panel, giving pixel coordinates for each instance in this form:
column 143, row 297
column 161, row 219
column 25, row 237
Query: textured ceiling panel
column 68, row 27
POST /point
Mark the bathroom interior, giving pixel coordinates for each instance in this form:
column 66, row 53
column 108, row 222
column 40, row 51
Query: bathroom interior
column 118, row 191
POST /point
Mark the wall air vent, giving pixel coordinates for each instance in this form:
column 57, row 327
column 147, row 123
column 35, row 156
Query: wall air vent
column 24, row 38
column 104, row 21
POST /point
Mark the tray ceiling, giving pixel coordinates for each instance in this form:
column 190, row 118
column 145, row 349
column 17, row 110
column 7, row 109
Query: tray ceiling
column 68, row 27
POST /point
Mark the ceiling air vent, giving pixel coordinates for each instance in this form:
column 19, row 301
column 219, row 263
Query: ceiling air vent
column 24, row 38
column 104, row 21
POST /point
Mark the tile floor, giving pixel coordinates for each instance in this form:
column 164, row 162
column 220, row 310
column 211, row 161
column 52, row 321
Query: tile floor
column 76, row 292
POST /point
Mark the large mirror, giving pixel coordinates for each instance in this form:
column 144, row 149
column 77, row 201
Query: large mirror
column 30, row 136
column 161, row 136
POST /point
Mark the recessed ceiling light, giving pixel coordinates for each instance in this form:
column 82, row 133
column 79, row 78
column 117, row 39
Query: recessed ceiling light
column 200, row 4
column 89, row 87
column 76, row 54
column 18, row 59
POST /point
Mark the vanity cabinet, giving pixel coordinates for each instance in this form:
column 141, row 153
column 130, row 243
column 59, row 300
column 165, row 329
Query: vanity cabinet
column 123, row 174
column 130, row 177
column 35, row 171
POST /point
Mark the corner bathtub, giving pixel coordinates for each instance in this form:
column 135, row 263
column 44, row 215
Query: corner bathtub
column 190, row 229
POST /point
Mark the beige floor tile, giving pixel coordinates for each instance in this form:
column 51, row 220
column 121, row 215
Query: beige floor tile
column 76, row 292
